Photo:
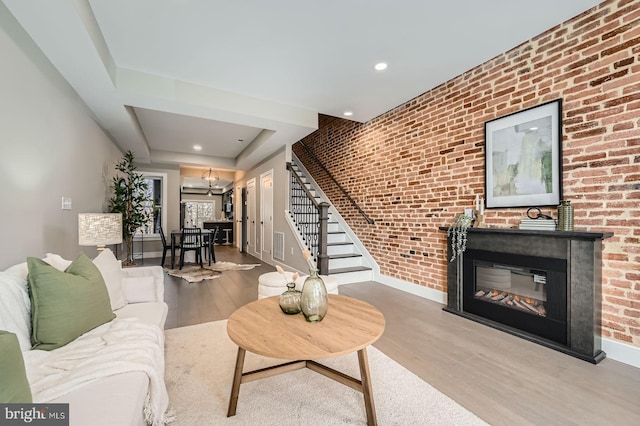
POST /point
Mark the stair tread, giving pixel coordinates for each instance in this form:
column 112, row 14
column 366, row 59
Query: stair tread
column 302, row 204
column 344, row 256
column 339, row 243
column 328, row 233
column 306, row 223
column 349, row 269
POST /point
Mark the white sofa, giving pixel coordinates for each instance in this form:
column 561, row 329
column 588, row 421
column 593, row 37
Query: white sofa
column 136, row 292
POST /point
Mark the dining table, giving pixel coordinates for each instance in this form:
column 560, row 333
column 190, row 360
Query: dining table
column 207, row 235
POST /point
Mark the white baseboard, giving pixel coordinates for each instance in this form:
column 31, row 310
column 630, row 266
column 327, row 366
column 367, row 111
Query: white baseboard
column 622, row 352
column 617, row 351
column 407, row 287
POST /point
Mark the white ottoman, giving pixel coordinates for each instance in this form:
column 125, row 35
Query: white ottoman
column 329, row 282
column 274, row 284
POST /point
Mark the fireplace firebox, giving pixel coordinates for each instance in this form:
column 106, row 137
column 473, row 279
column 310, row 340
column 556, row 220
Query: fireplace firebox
column 525, row 292
column 543, row 286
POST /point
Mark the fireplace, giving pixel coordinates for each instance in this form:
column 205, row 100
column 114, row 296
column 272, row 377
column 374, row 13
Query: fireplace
column 543, row 286
column 525, row 292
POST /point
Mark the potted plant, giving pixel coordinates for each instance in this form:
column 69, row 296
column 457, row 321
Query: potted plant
column 130, row 199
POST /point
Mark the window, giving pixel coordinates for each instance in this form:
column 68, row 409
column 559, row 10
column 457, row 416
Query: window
column 157, row 204
column 195, row 212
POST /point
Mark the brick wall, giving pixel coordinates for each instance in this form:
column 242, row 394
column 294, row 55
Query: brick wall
column 416, row 167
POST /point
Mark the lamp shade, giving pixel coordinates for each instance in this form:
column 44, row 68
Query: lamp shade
column 99, row 229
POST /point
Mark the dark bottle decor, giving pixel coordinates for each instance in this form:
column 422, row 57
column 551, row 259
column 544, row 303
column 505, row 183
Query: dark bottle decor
column 314, row 301
column 290, row 300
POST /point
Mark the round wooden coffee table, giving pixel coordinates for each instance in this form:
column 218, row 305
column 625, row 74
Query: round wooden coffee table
column 350, row 326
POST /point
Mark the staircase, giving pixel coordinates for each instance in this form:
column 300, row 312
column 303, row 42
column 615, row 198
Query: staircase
column 346, row 262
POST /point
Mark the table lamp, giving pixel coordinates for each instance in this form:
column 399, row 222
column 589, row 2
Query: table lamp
column 99, row 229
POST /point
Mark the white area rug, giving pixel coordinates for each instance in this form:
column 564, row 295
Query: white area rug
column 195, row 274
column 199, row 370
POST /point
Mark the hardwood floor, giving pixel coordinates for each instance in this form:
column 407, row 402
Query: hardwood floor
column 213, row 300
column 501, row 378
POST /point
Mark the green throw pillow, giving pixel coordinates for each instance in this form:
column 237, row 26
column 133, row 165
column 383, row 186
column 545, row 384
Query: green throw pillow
column 15, row 386
column 64, row 305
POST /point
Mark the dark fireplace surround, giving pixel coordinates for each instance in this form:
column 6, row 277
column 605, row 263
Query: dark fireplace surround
column 571, row 262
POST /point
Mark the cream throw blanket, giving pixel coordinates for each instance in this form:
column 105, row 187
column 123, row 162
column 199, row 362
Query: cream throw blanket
column 119, row 346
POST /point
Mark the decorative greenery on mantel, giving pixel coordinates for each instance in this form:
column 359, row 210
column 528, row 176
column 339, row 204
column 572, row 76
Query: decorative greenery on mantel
column 458, row 233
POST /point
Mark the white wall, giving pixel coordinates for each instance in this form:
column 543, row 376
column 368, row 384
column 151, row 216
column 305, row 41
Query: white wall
column 50, row 147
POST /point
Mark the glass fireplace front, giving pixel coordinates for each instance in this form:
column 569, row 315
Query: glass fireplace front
column 519, row 288
column 527, row 293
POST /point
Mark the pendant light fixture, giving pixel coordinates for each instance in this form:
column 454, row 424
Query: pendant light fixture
column 210, row 178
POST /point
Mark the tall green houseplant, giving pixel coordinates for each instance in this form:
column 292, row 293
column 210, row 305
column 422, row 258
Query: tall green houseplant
column 130, row 199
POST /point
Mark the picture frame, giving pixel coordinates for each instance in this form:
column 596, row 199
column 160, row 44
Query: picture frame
column 523, row 158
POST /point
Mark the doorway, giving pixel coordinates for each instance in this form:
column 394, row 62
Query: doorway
column 266, row 214
column 241, row 221
column 252, row 243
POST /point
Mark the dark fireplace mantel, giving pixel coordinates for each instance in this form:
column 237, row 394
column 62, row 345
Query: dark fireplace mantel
column 582, row 252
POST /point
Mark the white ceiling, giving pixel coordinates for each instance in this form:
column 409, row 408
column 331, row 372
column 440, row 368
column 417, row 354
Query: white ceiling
column 244, row 78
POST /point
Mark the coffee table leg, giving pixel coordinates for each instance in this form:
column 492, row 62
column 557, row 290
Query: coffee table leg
column 367, row 389
column 235, row 387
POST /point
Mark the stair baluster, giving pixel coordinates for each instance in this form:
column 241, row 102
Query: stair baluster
column 311, row 218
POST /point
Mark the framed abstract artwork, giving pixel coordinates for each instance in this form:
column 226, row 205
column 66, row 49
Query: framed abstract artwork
column 523, row 161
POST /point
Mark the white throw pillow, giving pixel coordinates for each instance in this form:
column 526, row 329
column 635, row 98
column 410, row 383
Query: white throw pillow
column 111, row 272
column 15, row 307
column 57, row 261
column 21, row 270
column 140, row 289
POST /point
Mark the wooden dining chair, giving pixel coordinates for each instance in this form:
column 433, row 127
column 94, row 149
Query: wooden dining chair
column 166, row 247
column 206, row 236
column 191, row 240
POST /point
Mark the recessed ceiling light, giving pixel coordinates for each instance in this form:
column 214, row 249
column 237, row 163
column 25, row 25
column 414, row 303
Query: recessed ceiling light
column 380, row 66
column 197, row 147
column 348, row 113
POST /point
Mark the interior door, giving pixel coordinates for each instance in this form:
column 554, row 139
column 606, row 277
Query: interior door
column 241, row 219
column 266, row 213
column 252, row 245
